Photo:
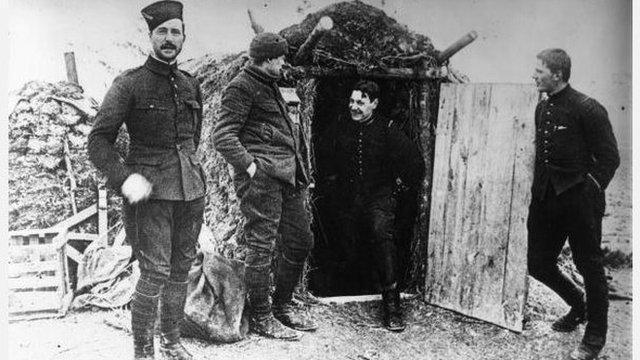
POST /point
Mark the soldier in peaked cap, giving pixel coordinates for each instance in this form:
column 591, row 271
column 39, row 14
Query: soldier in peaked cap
column 161, row 180
column 267, row 151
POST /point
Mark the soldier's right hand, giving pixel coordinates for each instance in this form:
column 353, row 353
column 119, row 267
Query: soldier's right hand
column 136, row 188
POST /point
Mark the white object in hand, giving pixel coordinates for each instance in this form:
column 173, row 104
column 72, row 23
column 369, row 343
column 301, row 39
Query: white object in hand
column 252, row 169
column 136, row 188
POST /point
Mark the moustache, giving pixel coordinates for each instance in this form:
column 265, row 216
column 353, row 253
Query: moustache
column 166, row 46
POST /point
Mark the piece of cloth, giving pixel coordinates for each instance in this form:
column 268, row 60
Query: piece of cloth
column 106, row 277
column 254, row 126
column 275, row 214
column 163, row 235
column 161, row 11
column 162, row 109
column 372, row 156
column 577, row 214
column 574, row 141
column 368, row 223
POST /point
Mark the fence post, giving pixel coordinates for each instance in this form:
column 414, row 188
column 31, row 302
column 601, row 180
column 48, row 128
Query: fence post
column 70, row 64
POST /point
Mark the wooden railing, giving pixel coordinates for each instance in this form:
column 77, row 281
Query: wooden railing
column 39, row 277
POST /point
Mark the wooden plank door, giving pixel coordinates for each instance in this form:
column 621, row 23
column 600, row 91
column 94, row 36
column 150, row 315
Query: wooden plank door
column 483, row 169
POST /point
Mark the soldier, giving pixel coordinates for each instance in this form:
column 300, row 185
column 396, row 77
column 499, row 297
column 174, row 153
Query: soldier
column 576, row 157
column 161, row 180
column 266, row 149
column 374, row 162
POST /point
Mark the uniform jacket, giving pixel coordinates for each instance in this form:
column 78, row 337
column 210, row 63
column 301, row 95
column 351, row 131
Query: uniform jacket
column 370, row 158
column 574, row 142
column 162, row 109
column 254, row 125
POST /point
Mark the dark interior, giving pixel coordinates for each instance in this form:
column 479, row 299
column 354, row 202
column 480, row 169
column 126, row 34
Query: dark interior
column 329, row 275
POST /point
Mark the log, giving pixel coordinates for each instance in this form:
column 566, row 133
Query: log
column 457, row 46
column 257, row 28
column 396, row 73
column 70, row 64
column 304, row 52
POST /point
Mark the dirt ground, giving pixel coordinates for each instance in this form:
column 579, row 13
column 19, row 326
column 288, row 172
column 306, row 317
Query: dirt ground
column 352, row 331
column 349, row 331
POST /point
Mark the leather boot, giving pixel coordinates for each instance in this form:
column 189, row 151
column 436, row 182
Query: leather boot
column 144, row 308
column 261, row 320
column 570, row 321
column 172, row 313
column 392, row 311
column 287, row 277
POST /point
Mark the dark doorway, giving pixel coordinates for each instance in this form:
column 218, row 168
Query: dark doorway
column 330, row 274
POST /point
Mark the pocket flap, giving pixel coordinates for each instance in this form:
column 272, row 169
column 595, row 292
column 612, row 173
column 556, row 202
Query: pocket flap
column 192, row 104
column 268, row 106
column 151, row 104
column 152, row 160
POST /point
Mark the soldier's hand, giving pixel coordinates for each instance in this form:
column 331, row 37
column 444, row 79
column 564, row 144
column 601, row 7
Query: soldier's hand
column 252, row 169
column 136, row 188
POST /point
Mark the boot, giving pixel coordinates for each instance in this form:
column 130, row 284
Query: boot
column 172, row 313
column 144, row 308
column 584, row 352
column 392, row 311
column 287, row 277
column 261, row 320
column 295, row 320
column 269, row 326
column 570, row 321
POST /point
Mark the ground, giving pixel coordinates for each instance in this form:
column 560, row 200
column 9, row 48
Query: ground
column 349, row 331
column 352, row 331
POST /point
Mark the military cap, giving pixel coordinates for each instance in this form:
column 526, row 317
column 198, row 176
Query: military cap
column 161, row 11
column 268, row 46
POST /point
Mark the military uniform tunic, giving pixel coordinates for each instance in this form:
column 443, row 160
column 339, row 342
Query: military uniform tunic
column 162, row 109
column 576, row 157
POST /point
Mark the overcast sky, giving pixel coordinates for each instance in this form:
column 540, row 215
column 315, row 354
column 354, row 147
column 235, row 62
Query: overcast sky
column 596, row 33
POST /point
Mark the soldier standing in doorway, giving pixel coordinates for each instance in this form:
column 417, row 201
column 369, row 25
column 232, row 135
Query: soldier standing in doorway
column 374, row 163
column 266, row 148
column 576, row 158
column 161, row 180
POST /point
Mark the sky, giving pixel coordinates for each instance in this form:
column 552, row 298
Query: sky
column 110, row 36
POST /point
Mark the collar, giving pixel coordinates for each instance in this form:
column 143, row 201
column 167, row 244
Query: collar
column 369, row 121
column 160, row 67
column 260, row 75
column 560, row 93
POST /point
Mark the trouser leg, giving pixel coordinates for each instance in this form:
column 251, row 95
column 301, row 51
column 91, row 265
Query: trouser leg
column 585, row 237
column 547, row 233
column 148, row 229
column 380, row 220
column 187, row 222
column 296, row 243
column 261, row 205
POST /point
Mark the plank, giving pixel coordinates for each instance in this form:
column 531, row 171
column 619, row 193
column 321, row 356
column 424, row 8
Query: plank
column 28, row 303
column 33, row 283
column 339, row 300
column 31, row 268
column 514, row 296
column 483, row 139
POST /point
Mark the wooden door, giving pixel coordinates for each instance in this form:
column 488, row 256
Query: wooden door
column 483, row 169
